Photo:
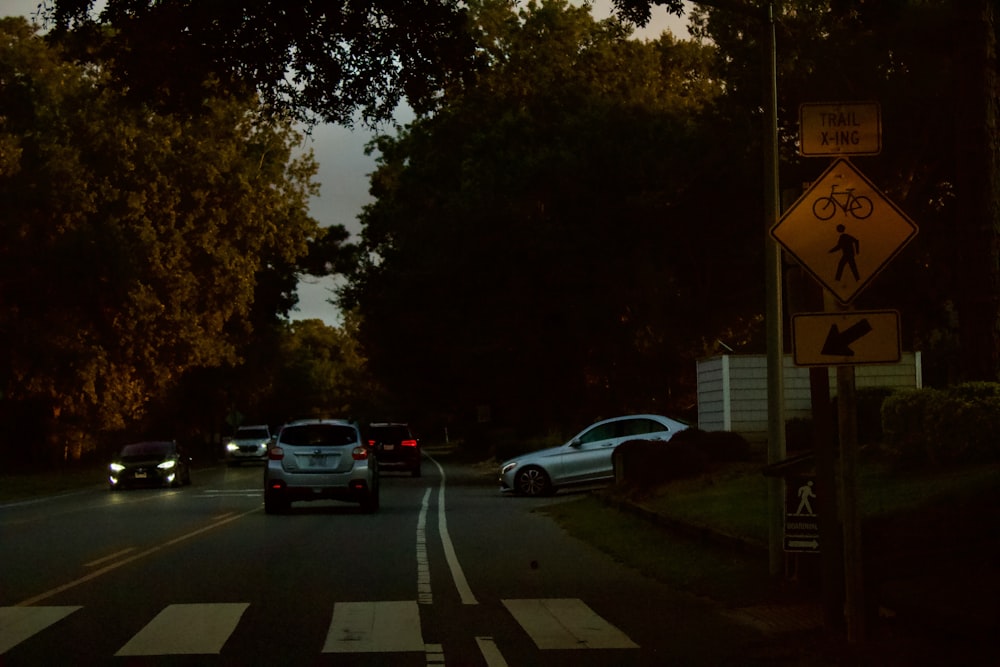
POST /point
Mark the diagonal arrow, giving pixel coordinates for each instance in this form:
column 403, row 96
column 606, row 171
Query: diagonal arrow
column 838, row 342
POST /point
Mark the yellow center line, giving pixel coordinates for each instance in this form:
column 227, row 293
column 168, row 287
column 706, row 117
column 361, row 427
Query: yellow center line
column 95, row 563
column 114, row 566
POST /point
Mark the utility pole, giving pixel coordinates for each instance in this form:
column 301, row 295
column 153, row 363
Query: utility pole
column 773, row 317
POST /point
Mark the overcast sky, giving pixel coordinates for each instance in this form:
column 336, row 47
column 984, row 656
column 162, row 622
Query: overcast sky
column 344, row 167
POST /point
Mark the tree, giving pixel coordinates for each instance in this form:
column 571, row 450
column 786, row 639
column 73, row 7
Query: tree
column 132, row 240
column 312, row 58
column 922, row 61
column 537, row 246
column 322, row 372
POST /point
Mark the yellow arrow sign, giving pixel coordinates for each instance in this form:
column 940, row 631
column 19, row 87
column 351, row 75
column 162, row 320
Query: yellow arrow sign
column 851, row 338
column 843, row 231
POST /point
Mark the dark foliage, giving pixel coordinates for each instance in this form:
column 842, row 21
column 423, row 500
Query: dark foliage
column 312, row 58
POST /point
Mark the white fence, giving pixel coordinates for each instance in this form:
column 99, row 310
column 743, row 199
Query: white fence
column 732, row 389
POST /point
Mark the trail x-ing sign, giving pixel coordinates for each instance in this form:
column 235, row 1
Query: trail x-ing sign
column 840, row 128
column 843, row 231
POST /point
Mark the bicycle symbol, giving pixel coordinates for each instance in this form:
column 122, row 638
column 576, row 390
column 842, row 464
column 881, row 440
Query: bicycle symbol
column 858, row 206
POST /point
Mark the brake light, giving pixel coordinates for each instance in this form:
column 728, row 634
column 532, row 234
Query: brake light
column 359, row 454
column 275, row 453
column 409, row 443
column 371, row 443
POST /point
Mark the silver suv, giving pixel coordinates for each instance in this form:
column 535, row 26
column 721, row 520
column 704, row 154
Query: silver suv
column 317, row 459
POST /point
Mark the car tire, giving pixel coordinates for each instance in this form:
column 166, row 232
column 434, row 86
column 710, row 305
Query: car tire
column 533, row 481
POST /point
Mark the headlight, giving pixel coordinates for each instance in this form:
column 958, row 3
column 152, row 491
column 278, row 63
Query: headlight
column 508, row 467
column 116, row 467
column 232, row 447
column 167, row 465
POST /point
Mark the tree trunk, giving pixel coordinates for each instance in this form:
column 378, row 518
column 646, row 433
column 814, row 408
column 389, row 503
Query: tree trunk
column 978, row 189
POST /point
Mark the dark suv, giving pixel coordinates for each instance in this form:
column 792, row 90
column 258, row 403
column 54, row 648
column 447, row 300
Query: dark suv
column 395, row 447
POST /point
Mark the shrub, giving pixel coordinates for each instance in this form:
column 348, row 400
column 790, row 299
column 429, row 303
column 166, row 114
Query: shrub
column 649, row 463
column 717, row 446
column 943, row 426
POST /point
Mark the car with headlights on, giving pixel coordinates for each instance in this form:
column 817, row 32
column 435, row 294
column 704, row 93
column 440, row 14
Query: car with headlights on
column 395, row 446
column 320, row 459
column 249, row 443
column 585, row 458
column 151, row 463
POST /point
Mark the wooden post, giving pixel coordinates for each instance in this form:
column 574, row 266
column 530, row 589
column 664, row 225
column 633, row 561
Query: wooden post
column 847, row 405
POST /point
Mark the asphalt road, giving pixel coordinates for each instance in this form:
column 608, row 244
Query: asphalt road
column 448, row 572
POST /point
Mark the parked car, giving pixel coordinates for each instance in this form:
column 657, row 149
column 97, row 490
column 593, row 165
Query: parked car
column 585, row 459
column 316, row 459
column 395, row 446
column 249, row 443
column 153, row 463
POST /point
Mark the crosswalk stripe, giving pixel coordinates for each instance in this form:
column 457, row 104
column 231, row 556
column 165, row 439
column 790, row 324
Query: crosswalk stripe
column 19, row 623
column 187, row 629
column 566, row 623
column 374, row 627
column 356, row 627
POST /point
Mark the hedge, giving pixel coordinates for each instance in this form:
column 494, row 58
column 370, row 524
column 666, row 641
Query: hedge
column 956, row 425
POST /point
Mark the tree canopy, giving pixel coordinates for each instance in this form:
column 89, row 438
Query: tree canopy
column 543, row 234
column 312, row 58
column 134, row 242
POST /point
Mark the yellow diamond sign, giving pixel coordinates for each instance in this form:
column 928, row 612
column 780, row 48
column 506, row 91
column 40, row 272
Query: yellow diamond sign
column 843, row 231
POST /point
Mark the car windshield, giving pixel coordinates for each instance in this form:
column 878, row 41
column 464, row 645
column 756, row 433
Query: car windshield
column 252, row 434
column 326, row 435
column 146, row 449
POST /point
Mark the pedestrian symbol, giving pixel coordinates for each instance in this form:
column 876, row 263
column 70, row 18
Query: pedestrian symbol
column 848, row 246
column 805, row 495
column 843, row 231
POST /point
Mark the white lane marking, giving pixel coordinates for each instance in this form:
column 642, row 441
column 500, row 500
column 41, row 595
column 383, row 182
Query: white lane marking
column 488, row 648
column 424, row 593
column 374, row 627
column 117, row 554
column 19, row 623
column 187, row 629
column 457, row 575
column 114, row 566
column 566, row 623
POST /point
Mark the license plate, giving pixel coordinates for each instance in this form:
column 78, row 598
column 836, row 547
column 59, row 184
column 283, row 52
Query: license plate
column 388, row 448
column 140, row 474
column 317, row 461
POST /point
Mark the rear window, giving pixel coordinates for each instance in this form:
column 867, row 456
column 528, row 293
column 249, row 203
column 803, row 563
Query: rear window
column 319, row 435
column 252, row 434
column 390, row 433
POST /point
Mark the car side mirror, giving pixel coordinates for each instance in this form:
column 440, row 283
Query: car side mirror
column 576, row 443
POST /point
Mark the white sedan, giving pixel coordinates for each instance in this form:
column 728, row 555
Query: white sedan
column 585, row 459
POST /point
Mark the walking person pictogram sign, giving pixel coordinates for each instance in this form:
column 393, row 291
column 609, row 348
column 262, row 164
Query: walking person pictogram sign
column 801, row 518
column 843, row 231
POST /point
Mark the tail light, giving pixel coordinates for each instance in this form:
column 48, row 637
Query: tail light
column 275, row 453
column 359, row 453
column 409, row 443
